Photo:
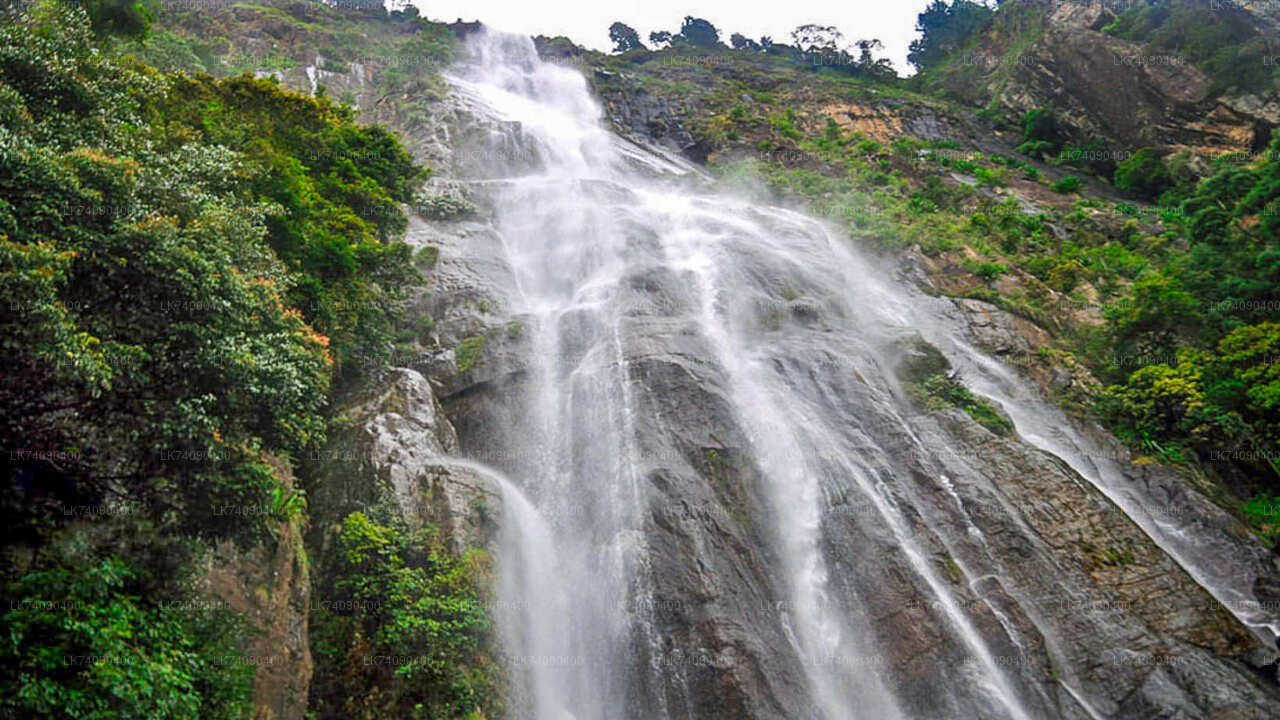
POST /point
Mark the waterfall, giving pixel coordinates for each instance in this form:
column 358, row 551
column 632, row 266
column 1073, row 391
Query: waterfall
column 634, row 281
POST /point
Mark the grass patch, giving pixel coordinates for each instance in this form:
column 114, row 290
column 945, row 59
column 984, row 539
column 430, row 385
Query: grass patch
column 939, row 392
column 468, row 352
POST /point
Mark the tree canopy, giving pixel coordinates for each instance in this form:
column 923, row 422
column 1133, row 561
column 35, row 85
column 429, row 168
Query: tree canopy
column 624, row 38
column 188, row 266
column 698, row 33
column 944, row 28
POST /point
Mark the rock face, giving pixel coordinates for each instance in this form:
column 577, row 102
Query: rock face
column 394, row 452
column 635, row 111
column 1081, row 611
column 270, row 586
column 1106, row 87
column 1036, row 556
column 955, row 555
column 951, row 552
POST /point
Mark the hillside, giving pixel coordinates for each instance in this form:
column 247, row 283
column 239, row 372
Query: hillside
column 1092, row 195
column 1185, row 76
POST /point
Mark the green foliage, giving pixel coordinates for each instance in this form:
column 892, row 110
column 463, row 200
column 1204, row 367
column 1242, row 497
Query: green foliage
column 1144, row 174
column 987, row 270
column 468, row 352
column 1228, row 276
column 336, row 189
column 186, row 266
column 125, row 18
column 1223, row 403
column 785, row 125
column 624, row 38
column 698, row 33
column 990, row 177
column 286, row 504
column 1262, row 511
column 78, row 645
column 146, row 332
column 939, row 392
column 404, row 630
column 944, row 29
column 175, row 52
column 1038, row 148
column 1225, row 43
column 428, row 255
column 1042, row 134
column 1068, row 184
column 443, row 206
column 413, row 64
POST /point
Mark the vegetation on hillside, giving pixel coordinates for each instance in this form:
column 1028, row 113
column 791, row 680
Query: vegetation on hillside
column 1171, row 306
column 945, row 28
column 1188, row 338
column 399, row 598
column 818, row 48
column 1221, row 40
column 402, row 52
column 1207, row 318
column 190, row 267
column 193, row 261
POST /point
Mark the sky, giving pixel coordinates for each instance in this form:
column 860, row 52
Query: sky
column 587, row 22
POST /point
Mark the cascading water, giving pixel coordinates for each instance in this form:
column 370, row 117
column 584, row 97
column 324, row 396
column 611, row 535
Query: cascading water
column 630, row 505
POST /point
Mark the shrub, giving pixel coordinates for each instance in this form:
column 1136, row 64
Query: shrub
column 1067, row 185
column 988, row 270
column 445, row 206
column 994, row 178
column 1041, row 125
column 79, row 645
column 1263, row 513
column 398, row 592
column 1144, row 174
column 1038, row 148
column 167, row 318
column 428, row 255
column 939, row 392
column 337, row 188
column 468, row 352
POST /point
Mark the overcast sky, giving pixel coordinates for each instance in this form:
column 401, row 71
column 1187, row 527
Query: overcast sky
column 587, row 22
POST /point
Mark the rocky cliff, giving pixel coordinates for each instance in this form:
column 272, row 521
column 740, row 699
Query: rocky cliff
column 1073, row 593
column 1032, row 551
column 1059, row 54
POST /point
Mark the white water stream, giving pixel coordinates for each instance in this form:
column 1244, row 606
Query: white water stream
column 584, row 217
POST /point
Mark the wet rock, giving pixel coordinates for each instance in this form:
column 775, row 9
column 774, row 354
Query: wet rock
column 389, row 452
column 918, row 360
column 930, row 523
column 1001, row 332
column 805, row 310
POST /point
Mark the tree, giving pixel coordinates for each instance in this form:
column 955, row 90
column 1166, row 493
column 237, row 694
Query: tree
column 945, row 28
column 820, row 45
column 1042, row 134
column 741, row 42
column 868, row 65
column 624, row 38
column 699, row 33
column 1144, row 174
column 810, row 38
column 660, row 38
column 126, row 18
column 79, row 647
column 176, row 286
column 399, row 591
